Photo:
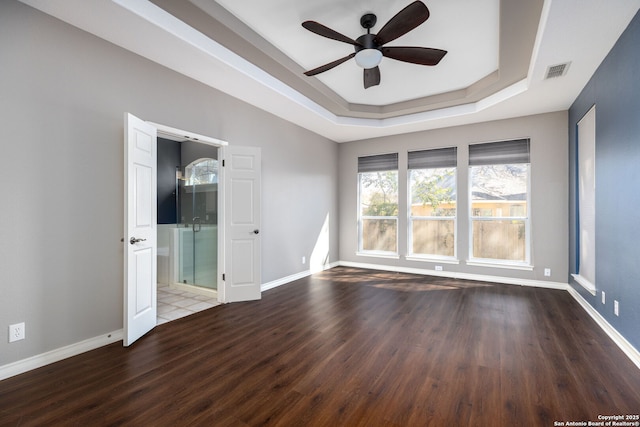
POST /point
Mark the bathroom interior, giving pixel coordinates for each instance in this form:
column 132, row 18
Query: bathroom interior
column 187, row 232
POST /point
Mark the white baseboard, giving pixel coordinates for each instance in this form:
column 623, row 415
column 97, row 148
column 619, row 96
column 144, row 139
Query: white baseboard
column 617, row 338
column 293, row 277
column 58, row 354
column 457, row 275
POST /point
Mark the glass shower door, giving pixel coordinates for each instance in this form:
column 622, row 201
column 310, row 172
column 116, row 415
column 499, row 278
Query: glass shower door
column 199, row 237
column 205, row 235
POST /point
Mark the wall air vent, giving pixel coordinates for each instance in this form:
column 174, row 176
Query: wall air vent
column 557, row 70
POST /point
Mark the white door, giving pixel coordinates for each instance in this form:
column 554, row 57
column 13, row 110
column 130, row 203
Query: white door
column 139, row 228
column 242, row 274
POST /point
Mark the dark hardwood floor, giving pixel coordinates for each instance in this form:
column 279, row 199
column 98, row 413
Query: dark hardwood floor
column 347, row 347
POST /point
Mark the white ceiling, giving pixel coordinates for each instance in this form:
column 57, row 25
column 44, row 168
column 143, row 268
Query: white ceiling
column 577, row 31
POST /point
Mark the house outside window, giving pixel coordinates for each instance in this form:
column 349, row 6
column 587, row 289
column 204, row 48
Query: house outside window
column 499, row 176
column 378, row 205
column 432, row 203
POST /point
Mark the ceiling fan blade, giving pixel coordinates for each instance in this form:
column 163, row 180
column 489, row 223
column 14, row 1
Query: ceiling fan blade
column 330, row 65
column 403, row 22
column 371, row 77
column 327, row 32
column 415, row 55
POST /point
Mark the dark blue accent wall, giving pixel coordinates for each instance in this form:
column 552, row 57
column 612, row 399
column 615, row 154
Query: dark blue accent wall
column 615, row 91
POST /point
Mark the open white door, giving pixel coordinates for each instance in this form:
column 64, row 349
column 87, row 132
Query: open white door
column 242, row 274
column 140, row 228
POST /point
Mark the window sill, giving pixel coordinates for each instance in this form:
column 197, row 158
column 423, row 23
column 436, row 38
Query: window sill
column 497, row 264
column 432, row 259
column 585, row 284
column 379, row 255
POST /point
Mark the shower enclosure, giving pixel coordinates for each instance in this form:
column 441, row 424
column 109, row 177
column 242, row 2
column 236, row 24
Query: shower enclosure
column 194, row 240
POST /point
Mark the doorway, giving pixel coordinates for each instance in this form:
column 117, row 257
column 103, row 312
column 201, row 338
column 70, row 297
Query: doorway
column 188, row 212
column 238, row 248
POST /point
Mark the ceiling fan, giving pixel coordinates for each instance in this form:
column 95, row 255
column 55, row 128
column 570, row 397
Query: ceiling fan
column 369, row 48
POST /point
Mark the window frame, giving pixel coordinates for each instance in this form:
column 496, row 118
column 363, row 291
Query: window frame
column 411, row 255
column 525, row 264
column 587, row 124
column 361, row 218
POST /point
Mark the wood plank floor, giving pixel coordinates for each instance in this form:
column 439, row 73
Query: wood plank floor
column 347, row 347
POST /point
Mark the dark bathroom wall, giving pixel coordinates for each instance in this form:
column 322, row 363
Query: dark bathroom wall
column 191, row 151
column 168, row 160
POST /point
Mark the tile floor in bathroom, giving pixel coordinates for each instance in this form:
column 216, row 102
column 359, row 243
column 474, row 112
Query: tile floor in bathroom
column 174, row 304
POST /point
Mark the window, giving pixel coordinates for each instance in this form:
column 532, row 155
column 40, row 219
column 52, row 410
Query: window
column 586, row 269
column 201, row 171
column 432, row 203
column 378, row 204
column 499, row 184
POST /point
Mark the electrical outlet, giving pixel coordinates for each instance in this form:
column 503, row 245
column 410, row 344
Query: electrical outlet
column 616, row 309
column 547, row 272
column 16, row 332
column 304, row 259
column 438, row 268
column 603, row 298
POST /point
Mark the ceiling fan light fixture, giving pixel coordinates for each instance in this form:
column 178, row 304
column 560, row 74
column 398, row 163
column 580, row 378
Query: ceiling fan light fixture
column 368, row 58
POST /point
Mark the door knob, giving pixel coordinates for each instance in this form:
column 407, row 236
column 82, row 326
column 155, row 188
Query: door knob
column 133, row 240
column 256, row 231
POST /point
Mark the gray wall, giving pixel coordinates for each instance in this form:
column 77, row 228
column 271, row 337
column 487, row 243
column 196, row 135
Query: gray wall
column 614, row 90
column 549, row 191
column 63, row 94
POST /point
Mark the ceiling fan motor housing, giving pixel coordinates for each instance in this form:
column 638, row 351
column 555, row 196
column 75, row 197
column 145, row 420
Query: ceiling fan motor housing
column 367, row 41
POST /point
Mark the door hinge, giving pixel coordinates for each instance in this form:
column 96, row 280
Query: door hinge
column 222, row 162
column 223, row 278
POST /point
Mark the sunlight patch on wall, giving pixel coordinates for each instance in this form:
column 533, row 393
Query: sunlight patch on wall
column 320, row 255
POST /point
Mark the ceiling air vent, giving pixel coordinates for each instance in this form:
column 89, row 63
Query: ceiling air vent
column 557, row 70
